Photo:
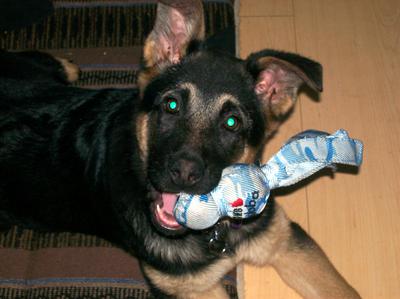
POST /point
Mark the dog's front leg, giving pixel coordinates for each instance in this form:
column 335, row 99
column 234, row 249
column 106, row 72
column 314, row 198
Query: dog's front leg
column 203, row 284
column 306, row 268
column 300, row 262
column 215, row 292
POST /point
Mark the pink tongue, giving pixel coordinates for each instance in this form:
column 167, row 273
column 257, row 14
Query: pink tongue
column 169, row 201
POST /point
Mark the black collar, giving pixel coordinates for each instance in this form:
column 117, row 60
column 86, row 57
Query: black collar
column 217, row 237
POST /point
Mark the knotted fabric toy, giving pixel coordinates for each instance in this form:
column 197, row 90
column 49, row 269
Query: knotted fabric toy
column 244, row 189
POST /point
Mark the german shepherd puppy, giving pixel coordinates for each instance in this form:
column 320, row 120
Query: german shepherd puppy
column 110, row 162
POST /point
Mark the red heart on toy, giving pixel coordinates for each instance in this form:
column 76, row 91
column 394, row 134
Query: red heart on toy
column 237, row 203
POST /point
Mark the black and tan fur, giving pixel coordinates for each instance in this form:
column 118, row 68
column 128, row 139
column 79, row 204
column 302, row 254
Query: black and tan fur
column 97, row 161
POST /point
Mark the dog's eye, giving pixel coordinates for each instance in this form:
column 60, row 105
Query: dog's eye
column 171, row 105
column 232, row 123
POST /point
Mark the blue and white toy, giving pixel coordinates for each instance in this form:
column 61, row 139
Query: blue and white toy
column 244, row 189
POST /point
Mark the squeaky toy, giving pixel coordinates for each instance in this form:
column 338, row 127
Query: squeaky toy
column 244, row 189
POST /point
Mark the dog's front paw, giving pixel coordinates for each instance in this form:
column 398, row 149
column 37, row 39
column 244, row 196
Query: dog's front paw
column 71, row 70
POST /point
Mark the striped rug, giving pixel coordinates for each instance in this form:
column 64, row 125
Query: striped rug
column 104, row 37
column 78, row 271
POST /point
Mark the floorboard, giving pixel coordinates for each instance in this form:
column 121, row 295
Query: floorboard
column 353, row 216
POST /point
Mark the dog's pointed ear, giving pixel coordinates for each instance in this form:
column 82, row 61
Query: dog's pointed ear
column 177, row 24
column 278, row 76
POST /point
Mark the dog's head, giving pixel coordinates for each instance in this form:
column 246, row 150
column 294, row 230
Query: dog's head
column 202, row 110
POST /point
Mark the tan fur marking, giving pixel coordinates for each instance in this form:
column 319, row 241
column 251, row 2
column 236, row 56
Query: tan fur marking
column 70, row 69
column 194, row 92
column 193, row 286
column 148, row 52
column 142, row 137
column 196, row 109
column 283, row 107
column 225, row 97
column 196, row 102
column 215, row 292
column 202, row 112
column 145, row 77
column 259, row 251
column 275, row 110
column 275, row 113
column 151, row 70
column 273, row 123
column 248, row 156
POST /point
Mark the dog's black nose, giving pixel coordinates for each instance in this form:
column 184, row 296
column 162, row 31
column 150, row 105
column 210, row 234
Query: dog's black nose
column 186, row 172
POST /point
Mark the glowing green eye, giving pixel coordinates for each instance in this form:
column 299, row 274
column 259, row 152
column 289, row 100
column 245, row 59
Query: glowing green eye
column 171, row 105
column 232, row 123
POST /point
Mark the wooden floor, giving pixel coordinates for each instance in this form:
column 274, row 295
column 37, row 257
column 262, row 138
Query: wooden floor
column 355, row 218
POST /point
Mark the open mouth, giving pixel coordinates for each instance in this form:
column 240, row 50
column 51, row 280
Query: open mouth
column 163, row 211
